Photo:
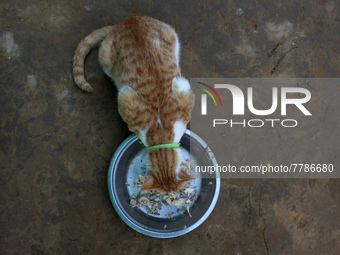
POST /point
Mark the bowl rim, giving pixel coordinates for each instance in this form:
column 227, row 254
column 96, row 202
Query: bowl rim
column 147, row 231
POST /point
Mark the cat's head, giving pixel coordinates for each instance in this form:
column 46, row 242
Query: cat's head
column 167, row 171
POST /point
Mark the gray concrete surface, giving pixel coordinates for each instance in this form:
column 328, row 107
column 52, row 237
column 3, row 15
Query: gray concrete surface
column 56, row 141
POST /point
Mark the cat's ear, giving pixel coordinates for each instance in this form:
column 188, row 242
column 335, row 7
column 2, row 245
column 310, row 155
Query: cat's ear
column 149, row 183
column 183, row 175
column 183, row 178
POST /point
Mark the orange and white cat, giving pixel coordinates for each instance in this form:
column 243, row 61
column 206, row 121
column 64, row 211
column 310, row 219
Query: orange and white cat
column 141, row 55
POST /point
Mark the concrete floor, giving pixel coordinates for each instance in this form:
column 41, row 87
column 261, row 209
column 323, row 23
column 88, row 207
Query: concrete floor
column 57, row 141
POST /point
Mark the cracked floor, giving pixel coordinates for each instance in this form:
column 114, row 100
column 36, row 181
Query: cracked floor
column 57, row 141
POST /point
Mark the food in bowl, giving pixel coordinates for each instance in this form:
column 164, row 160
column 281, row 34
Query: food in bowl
column 154, row 200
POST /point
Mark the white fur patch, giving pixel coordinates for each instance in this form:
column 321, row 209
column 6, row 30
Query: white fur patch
column 179, row 128
column 180, row 84
column 177, row 50
column 179, row 162
column 156, row 43
column 159, row 120
column 125, row 88
column 142, row 137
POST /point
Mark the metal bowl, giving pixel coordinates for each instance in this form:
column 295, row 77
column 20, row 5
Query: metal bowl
column 130, row 160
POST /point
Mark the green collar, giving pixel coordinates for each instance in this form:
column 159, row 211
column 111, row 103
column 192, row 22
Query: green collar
column 167, row 145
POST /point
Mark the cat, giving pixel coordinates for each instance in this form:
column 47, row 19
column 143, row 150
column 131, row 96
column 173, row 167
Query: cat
column 141, row 55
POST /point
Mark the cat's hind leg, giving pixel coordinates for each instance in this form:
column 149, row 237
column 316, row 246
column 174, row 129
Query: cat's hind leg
column 107, row 55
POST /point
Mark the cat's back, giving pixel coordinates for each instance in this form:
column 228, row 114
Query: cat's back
column 143, row 29
column 141, row 51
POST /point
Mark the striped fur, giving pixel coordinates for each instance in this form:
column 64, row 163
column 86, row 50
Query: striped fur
column 141, row 55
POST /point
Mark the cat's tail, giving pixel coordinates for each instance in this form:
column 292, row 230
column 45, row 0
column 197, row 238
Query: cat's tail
column 81, row 52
